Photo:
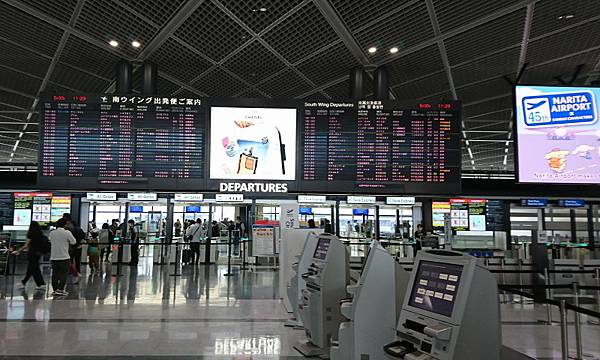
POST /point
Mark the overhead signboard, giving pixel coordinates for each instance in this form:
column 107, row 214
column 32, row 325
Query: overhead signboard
column 534, row 202
column 371, row 146
column 571, row 203
column 142, row 196
column 312, row 199
column 361, row 200
column 557, row 131
column 109, row 141
column 189, row 197
column 400, row 200
column 229, row 197
column 101, row 196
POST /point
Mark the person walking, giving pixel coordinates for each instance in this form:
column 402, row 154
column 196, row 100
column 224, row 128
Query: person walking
column 134, row 241
column 194, row 233
column 60, row 240
column 104, row 242
column 177, row 226
column 241, row 229
column 93, row 254
column 36, row 246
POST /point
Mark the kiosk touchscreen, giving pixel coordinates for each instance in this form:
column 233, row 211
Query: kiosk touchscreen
column 451, row 311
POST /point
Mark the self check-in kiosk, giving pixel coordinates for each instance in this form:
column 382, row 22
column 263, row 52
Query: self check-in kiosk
column 298, row 283
column 326, row 282
column 451, row 311
column 374, row 310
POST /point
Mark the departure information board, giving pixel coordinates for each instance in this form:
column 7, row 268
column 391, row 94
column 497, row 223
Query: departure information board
column 110, row 141
column 381, row 146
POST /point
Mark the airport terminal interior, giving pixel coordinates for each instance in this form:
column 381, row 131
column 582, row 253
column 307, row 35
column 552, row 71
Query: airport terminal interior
column 290, row 179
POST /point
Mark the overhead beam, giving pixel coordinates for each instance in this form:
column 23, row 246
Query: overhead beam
column 338, row 25
column 65, row 27
column 456, row 31
column 176, row 20
column 263, row 42
column 50, row 70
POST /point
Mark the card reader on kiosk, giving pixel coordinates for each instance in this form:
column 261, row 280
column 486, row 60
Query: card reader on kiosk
column 450, row 311
column 374, row 310
column 326, row 282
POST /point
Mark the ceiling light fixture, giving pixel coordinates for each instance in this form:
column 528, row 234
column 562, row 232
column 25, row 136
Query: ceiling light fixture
column 113, row 43
column 136, row 44
column 372, row 50
column 566, row 17
column 394, row 50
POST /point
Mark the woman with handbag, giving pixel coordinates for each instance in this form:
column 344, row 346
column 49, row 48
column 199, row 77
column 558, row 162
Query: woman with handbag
column 38, row 245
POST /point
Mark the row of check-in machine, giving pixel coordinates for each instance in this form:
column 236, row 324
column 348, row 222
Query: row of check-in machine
column 446, row 308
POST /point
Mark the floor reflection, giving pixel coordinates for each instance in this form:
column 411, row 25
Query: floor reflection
column 154, row 284
column 263, row 345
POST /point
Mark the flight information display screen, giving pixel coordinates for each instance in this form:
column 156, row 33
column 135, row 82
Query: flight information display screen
column 122, row 142
column 557, row 132
column 381, row 146
column 436, row 287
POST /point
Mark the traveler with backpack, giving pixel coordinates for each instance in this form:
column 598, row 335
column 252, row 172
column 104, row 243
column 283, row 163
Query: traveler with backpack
column 37, row 245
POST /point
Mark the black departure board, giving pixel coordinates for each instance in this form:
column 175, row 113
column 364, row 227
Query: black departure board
column 497, row 215
column 128, row 142
column 381, row 146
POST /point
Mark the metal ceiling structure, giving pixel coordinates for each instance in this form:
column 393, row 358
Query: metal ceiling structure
column 297, row 48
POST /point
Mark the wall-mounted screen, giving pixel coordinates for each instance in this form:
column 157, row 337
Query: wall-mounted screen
column 43, row 207
column 360, row 212
column 439, row 209
column 436, row 287
column 381, row 146
column 110, row 141
column 557, row 134
column 253, row 143
column 305, row 211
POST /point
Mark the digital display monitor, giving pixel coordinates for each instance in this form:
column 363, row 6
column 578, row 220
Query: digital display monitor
column 359, row 212
column 381, row 146
column 253, row 143
column 436, row 287
column 121, row 142
column 557, row 133
column 439, row 209
column 136, row 209
column 305, row 211
column 42, row 207
column 192, row 209
column 322, row 248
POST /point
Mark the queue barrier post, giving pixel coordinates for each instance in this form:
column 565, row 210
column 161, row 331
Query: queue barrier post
column 229, row 273
column 578, row 343
column 564, row 334
column 119, row 259
column 177, row 258
column 548, row 306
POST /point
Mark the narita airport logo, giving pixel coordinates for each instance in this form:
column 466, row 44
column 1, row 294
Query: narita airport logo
column 573, row 107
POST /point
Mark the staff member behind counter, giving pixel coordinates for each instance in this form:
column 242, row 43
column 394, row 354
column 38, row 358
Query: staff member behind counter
column 419, row 236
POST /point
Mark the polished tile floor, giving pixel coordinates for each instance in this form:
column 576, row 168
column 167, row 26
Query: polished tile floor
column 201, row 314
